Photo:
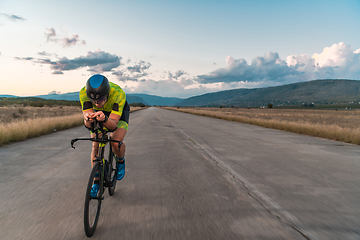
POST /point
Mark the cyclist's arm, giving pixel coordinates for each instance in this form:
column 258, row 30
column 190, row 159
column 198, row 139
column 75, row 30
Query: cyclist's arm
column 109, row 122
column 112, row 121
column 119, row 101
column 88, row 117
column 87, row 108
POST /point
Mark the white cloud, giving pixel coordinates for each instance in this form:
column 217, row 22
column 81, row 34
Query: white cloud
column 337, row 61
column 166, row 88
column 133, row 73
column 186, row 82
column 43, row 53
column 178, row 74
column 338, row 55
column 51, row 33
column 98, row 61
column 67, row 42
column 64, row 41
column 268, row 67
column 139, row 67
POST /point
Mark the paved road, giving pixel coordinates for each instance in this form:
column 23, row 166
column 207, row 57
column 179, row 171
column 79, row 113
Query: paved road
column 188, row 177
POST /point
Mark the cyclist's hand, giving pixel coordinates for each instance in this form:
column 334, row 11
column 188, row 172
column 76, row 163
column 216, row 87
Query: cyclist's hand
column 89, row 117
column 100, row 116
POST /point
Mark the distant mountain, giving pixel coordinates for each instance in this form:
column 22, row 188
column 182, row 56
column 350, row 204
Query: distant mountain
column 156, row 100
column 73, row 96
column 131, row 98
column 135, row 99
column 5, row 95
column 318, row 92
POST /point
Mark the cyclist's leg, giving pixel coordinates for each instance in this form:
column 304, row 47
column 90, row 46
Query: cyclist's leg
column 119, row 135
column 120, row 132
column 94, row 151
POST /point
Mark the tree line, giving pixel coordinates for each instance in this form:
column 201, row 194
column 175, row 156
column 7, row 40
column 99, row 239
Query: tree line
column 36, row 102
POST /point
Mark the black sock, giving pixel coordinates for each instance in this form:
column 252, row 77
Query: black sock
column 96, row 182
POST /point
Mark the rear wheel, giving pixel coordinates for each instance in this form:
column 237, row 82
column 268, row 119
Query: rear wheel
column 92, row 204
column 112, row 172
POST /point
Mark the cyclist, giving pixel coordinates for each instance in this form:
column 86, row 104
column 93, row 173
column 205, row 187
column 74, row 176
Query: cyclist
column 106, row 102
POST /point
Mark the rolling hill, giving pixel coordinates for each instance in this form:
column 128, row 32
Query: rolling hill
column 131, row 98
column 156, row 100
column 318, row 92
column 74, row 96
column 7, row 96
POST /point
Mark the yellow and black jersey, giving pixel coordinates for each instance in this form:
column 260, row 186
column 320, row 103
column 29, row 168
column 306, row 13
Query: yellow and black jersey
column 114, row 104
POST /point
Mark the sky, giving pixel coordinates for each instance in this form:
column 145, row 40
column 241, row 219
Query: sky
column 175, row 48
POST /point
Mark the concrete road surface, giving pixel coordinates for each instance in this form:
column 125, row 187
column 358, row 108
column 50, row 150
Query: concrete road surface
column 187, row 177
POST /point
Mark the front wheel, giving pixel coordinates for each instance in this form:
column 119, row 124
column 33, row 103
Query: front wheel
column 92, row 204
column 112, row 172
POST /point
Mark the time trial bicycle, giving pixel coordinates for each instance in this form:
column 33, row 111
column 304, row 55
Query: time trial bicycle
column 103, row 170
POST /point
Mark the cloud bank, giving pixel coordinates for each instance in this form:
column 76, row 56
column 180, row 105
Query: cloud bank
column 98, row 61
column 337, row 61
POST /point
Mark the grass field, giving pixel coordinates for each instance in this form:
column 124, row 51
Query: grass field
column 19, row 123
column 342, row 125
column 13, row 113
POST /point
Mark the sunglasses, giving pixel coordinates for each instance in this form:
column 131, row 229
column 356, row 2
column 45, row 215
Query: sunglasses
column 98, row 101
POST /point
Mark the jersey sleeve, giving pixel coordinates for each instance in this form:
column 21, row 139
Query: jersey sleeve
column 84, row 100
column 119, row 102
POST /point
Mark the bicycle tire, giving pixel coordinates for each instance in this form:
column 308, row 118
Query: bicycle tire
column 112, row 172
column 92, row 205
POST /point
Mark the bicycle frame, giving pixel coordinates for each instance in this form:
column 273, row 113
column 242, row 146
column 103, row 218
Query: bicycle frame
column 105, row 179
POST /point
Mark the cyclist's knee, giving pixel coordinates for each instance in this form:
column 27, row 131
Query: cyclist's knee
column 115, row 145
column 119, row 134
column 123, row 147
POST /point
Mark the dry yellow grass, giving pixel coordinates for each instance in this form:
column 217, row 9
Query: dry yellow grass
column 335, row 125
column 15, row 113
column 42, row 121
